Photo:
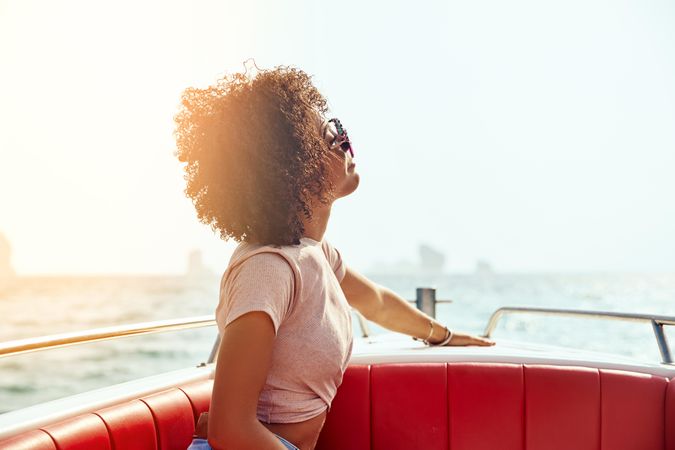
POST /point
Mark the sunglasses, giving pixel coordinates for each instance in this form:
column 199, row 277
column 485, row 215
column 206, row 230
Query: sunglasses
column 342, row 139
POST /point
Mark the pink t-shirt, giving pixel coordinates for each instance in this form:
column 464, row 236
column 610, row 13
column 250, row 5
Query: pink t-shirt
column 298, row 286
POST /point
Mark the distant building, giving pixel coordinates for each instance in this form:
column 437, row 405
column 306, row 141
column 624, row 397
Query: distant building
column 6, row 270
column 196, row 269
column 431, row 260
column 484, row 268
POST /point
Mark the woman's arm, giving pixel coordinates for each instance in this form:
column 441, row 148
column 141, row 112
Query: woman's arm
column 384, row 307
column 243, row 363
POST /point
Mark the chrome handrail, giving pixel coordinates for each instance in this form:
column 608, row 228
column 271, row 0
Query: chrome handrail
column 657, row 321
column 426, row 301
column 27, row 345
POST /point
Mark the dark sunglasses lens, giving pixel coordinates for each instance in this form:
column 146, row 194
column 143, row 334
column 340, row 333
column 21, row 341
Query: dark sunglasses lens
column 346, row 145
column 338, row 126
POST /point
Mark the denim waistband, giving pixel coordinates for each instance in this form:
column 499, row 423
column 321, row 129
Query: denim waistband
column 202, row 444
column 288, row 445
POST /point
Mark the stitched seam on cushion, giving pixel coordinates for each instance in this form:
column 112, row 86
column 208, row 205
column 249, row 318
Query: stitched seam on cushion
column 56, row 446
column 447, row 404
column 110, row 437
column 665, row 412
column 524, row 416
column 600, row 413
column 370, row 403
column 155, row 420
column 192, row 405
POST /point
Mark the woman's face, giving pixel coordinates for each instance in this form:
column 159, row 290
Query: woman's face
column 342, row 168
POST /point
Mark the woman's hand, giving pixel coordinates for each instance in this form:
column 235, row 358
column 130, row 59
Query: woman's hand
column 462, row 339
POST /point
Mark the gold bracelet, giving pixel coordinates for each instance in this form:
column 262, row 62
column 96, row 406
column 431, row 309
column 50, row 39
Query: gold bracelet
column 442, row 342
column 446, row 339
column 431, row 324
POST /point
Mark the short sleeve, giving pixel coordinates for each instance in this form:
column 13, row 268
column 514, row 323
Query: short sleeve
column 263, row 282
column 334, row 259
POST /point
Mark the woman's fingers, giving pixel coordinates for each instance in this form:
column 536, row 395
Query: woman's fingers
column 462, row 339
column 483, row 341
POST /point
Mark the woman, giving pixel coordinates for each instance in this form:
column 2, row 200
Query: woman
column 263, row 167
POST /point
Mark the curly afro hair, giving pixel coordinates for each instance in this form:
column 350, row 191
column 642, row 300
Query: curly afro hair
column 254, row 156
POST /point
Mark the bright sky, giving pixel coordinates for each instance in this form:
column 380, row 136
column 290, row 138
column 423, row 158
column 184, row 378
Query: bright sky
column 537, row 135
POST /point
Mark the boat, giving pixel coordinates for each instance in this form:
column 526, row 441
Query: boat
column 396, row 393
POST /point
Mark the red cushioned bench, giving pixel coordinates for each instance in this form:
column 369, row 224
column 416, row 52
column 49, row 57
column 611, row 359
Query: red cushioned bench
column 485, row 406
column 430, row 406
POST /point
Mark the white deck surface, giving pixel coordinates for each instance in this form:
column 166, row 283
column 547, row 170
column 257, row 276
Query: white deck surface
column 397, row 347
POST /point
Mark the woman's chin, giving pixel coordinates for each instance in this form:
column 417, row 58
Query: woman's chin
column 352, row 183
column 348, row 184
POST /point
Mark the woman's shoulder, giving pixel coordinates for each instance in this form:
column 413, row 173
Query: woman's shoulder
column 334, row 259
column 259, row 257
column 247, row 250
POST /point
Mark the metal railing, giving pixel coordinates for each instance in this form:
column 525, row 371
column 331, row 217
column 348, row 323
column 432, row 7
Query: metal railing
column 656, row 321
column 425, row 301
column 20, row 346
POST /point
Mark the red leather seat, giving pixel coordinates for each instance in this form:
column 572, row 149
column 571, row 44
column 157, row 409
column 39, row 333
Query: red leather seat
column 174, row 419
column 199, row 394
column 562, row 408
column 475, row 426
column 347, row 425
column 131, row 426
column 480, row 406
column 670, row 415
column 161, row 421
column 86, row 432
column 31, row 440
column 448, row 406
column 632, row 411
column 409, row 406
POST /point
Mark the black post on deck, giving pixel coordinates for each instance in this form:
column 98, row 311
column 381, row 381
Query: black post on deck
column 426, row 301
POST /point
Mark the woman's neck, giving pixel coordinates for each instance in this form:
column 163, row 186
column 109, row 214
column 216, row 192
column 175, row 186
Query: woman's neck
column 316, row 227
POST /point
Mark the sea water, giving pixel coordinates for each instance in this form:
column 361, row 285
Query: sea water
column 36, row 306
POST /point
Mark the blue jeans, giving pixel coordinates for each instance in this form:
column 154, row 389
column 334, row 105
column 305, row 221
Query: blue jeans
column 202, row 444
